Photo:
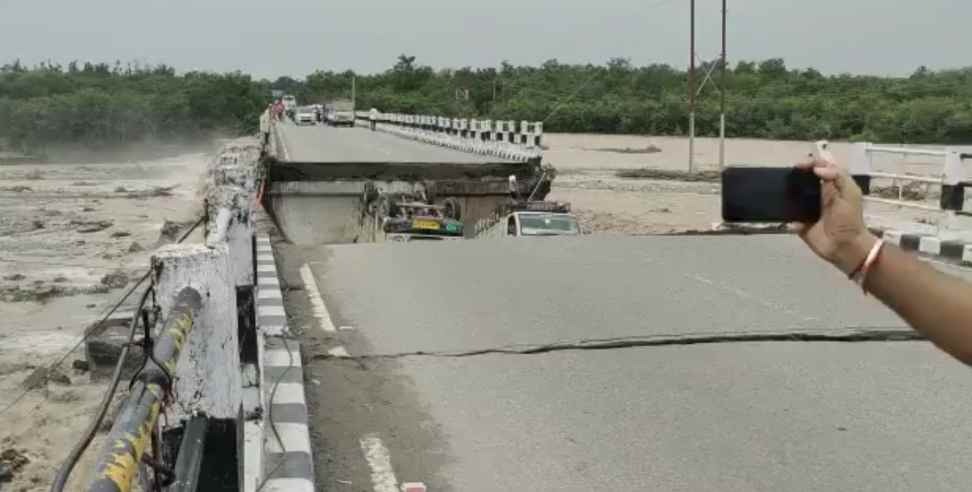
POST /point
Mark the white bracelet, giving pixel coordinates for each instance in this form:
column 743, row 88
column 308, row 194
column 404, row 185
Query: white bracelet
column 869, row 262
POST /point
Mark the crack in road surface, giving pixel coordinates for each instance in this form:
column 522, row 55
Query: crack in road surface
column 855, row 335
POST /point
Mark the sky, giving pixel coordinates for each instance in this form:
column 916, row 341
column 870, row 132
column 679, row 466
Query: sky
column 270, row 38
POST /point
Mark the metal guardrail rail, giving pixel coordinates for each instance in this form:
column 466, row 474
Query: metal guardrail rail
column 131, row 433
column 951, row 179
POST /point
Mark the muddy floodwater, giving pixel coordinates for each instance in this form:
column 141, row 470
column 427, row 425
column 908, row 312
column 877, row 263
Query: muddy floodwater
column 73, row 239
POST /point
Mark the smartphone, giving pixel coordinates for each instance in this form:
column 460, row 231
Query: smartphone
column 770, row 194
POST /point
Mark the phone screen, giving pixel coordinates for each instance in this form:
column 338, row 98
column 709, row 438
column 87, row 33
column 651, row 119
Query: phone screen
column 770, row 194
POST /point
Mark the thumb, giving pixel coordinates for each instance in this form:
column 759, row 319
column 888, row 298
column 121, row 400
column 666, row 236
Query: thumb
column 845, row 182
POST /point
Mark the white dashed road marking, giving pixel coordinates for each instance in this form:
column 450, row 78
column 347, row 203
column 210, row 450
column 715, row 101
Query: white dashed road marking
column 283, row 146
column 379, row 460
column 314, row 296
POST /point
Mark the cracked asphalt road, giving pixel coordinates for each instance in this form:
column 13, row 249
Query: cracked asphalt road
column 753, row 415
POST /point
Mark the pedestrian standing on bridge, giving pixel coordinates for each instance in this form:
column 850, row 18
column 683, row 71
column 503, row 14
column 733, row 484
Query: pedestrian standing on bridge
column 373, row 118
column 937, row 305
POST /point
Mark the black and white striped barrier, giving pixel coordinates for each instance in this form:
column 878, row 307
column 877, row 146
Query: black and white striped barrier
column 953, row 251
column 278, row 450
column 503, row 139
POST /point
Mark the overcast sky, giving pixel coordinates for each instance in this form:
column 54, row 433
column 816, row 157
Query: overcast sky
column 269, row 38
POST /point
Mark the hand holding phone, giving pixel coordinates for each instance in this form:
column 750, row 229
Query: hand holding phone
column 774, row 194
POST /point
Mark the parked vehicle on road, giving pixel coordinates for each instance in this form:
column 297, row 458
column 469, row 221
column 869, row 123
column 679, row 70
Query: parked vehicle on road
column 306, row 116
column 339, row 113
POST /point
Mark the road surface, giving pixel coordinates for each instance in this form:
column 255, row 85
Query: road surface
column 412, row 405
column 336, row 145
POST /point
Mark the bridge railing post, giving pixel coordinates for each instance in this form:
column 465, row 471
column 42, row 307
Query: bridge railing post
column 499, row 131
column 486, row 130
column 953, row 191
column 208, row 379
column 860, row 165
column 525, row 129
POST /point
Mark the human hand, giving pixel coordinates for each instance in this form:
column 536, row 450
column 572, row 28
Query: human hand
column 839, row 236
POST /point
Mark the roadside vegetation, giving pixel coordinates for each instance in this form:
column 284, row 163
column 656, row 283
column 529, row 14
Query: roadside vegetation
column 105, row 105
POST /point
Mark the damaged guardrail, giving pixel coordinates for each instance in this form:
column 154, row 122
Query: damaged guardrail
column 132, row 431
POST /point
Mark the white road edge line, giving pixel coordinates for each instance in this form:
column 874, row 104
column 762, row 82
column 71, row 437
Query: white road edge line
column 379, row 460
column 283, row 146
column 314, row 296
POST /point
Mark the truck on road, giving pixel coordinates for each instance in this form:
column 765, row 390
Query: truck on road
column 339, row 113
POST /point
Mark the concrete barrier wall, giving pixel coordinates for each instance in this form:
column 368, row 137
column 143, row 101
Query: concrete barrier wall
column 221, row 373
column 230, row 361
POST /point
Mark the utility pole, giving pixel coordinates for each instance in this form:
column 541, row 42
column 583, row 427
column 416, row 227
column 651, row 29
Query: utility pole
column 722, row 86
column 354, row 93
column 494, row 94
column 691, row 83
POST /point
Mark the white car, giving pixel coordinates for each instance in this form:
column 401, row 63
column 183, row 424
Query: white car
column 306, row 116
column 290, row 102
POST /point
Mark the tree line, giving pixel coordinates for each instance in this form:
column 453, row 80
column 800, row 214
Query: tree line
column 101, row 104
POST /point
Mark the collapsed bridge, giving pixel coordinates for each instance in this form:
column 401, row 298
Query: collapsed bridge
column 353, row 173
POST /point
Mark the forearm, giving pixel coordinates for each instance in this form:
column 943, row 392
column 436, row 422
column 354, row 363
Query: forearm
column 935, row 304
